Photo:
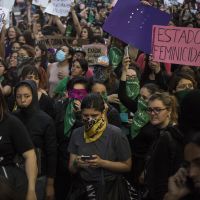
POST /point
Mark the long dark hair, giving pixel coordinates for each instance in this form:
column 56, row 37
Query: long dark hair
column 147, row 70
column 3, row 106
column 44, row 57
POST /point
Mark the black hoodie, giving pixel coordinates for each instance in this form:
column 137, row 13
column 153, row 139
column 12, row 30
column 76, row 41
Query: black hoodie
column 41, row 129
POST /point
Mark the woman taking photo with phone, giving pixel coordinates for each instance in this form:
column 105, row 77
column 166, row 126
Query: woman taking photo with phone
column 99, row 154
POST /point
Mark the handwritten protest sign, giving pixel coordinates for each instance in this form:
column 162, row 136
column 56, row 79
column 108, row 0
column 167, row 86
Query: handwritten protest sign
column 59, row 7
column 4, row 15
column 53, row 41
column 179, row 45
column 7, row 4
column 42, row 3
column 173, row 2
column 93, row 51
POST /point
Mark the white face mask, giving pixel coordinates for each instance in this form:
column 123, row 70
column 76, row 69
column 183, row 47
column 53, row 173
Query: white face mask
column 60, row 56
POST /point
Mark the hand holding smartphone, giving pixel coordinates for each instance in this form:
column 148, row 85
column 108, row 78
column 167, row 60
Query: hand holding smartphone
column 84, row 158
column 126, row 51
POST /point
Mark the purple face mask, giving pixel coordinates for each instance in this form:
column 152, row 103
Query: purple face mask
column 78, row 94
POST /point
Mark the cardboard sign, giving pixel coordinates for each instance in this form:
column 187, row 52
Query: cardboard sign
column 179, row 45
column 131, row 22
column 56, row 41
column 7, row 4
column 173, row 2
column 93, row 51
column 42, row 3
column 4, row 15
column 59, row 7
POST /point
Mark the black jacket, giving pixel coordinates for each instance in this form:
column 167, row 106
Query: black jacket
column 41, row 129
column 164, row 159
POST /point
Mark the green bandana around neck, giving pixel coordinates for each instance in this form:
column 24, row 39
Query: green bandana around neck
column 141, row 118
column 132, row 91
column 69, row 119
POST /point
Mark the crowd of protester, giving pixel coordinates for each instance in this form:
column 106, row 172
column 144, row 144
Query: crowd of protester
column 125, row 128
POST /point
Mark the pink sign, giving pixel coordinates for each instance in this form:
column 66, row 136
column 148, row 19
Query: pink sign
column 179, row 45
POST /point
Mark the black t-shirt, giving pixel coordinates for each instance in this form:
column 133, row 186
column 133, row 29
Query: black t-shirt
column 14, row 139
column 193, row 196
column 112, row 145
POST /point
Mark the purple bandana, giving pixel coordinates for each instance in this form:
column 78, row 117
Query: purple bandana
column 78, row 94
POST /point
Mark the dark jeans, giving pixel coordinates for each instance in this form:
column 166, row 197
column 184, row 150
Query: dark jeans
column 16, row 178
column 41, row 187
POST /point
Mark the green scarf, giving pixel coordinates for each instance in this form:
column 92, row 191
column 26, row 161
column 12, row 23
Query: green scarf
column 132, row 91
column 1, row 79
column 69, row 119
column 104, row 96
column 60, row 88
column 180, row 95
column 141, row 118
column 115, row 56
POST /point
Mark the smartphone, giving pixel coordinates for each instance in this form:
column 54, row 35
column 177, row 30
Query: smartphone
column 190, row 184
column 126, row 51
column 86, row 158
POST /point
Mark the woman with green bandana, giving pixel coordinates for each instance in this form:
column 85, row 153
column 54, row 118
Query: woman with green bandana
column 99, row 155
column 181, row 84
column 67, row 119
column 141, row 131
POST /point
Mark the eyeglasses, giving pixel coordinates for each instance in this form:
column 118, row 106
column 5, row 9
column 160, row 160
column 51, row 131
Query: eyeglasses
column 155, row 110
column 185, row 86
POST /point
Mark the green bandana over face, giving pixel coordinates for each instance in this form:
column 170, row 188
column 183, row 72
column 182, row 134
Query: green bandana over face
column 132, row 91
column 115, row 56
column 1, row 79
column 141, row 118
column 104, row 96
column 180, row 95
column 69, row 119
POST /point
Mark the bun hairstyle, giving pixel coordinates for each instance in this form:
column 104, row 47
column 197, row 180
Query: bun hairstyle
column 170, row 103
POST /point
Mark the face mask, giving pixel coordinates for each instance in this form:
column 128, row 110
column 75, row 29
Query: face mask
column 78, row 94
column 104, row 96
column 89, row 122
column 38, row 59
column 60, row 56
column 180, row 95
column 142, row 105
column 21, row 60
column 99, row 74
column 15, row 49
column 1, row 79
